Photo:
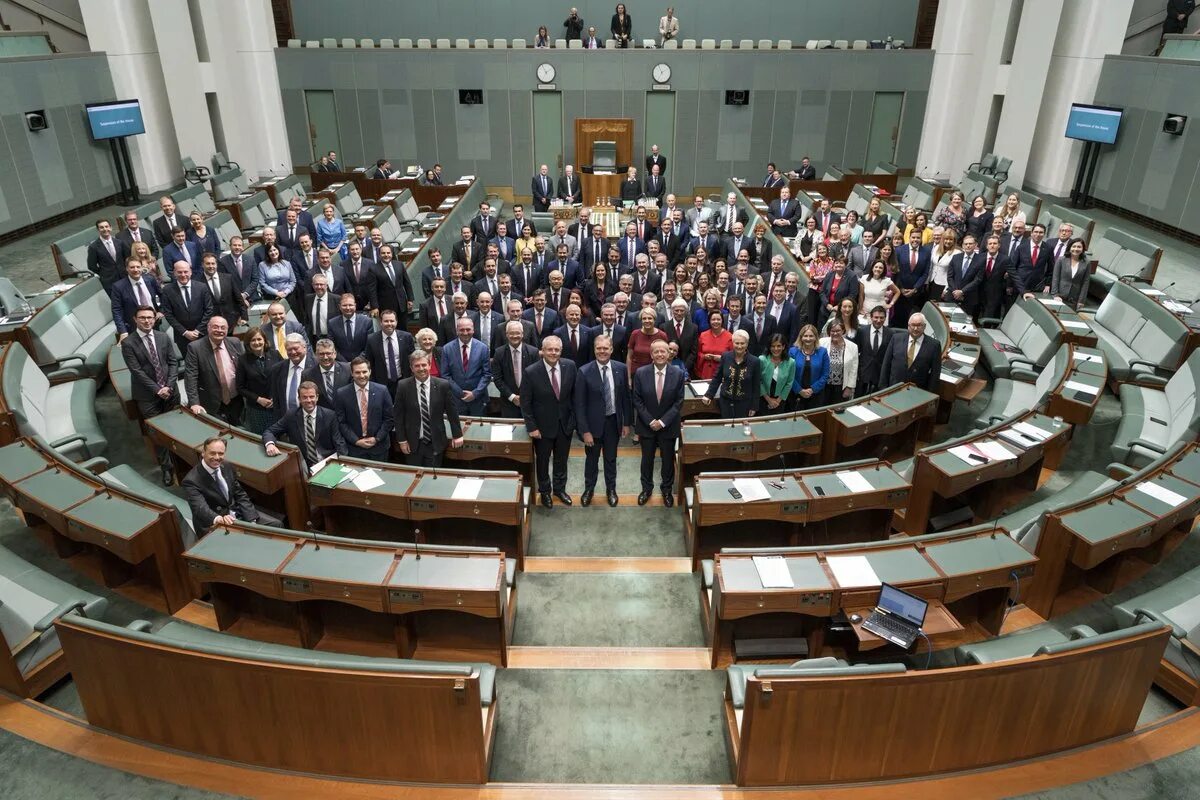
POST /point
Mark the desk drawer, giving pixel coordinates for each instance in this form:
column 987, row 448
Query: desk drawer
column 964, row 585
column 259, row 582
column 296, row 587
column 403, row 600
column 763, row 603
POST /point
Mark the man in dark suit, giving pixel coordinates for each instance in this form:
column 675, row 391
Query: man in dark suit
column 656, row 186
column 569, row 189
column 105, row 256
column 657, row 407
column 187, row 306
column 576, row 338
column 734, row 244
column 915, row 358
column 210, row 373
column 423, row 406
column 331, row 162
column 321, row 309
column 784, row 213
column 1011, row 245
column 913, row 268
column 169, row 221
column 350, row 330
column 435, row 269
column 514, row 311
column 508, row 367
column 240, row 266
column 364, row 413
column 1034, row 264
column 683, row 332
column 994, row 282
column 388, row 351
column 467, row 250
column 288, row 233
column 672, row 237
column 449, row 327
column 516, row 225
column 436, row 307
column 788, row 317
column 329, row 373
column 873, row 341
column 593, row 249
column 284, row 377
column 656, row 159
column 482, row 226
column 826, row 217
column 760, row 325
column 775, row 180
column 310, row 427
column 394, row 290
column 360, row 279
column 303, row 218
column 964, row 277
column 227, row 302
column 130, row 293
column 617, row 334
column 154, row 372
column 705, row 239
column 547, row 404
column 277, row 327
column 542, row 188
column 214, row 494
column 527, row 278
column 134, row 231
column 602, row 416
column 806, row 171
column 383, row 170
column 729, row 215
column 545, row 319
column 180, row 249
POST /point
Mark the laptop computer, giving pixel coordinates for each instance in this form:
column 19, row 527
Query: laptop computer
column 898, row 617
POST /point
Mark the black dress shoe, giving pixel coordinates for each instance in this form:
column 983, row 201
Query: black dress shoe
column 668, row 499
column 563, row 498
column 643, row 498
column 546, row 500
column 612, row 499
column 585, row 499
column 168, row 476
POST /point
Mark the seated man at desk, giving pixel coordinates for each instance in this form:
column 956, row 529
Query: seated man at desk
column 423, row 406
column 364, row 413
column 310, row 427
column 214, row 494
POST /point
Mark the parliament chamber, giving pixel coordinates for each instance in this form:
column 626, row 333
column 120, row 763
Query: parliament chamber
column 692, row 414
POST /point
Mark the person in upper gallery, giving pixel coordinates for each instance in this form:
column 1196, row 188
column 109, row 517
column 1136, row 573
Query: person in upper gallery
column 427, row 178
column 602, row 416
column 424, row 404
column 573, row 25
column 104, row 256
column 437, row 175
column 154, row 375
column 657, row 409
column 668, row 27
column 542, row 188
column 131, row 292
column 806, row 171
column 570, row 191
column 1069, row 282
column 593, row 41
column 331, row 162
column 312, row 428
column 214, row 495
column 915, row 358
column 621, row 26
column 547, row 405
column 542, row 40
column 383, row 170
column 168, row 222
column 739, row 378
column 365, row 413
column 210, row 373
column 631, row 188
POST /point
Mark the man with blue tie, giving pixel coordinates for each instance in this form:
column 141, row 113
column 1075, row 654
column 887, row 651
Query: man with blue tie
column 657, row 406
column 365, row 414
column 602, row 416
column 593, row 249
column 130, row 293
column 704, row 239
column 351, row 330
column 180, row 249
column 467, row 365
column 505, row 248
column 913, row 265
column 543, row 189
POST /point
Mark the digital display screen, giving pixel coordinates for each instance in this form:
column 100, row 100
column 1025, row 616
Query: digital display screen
column 115, row 119
column 1093, row 123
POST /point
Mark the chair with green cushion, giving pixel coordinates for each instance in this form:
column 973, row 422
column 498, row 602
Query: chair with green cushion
column 188, row 200
column 1154, row 419
column 833, row 173
column 1053, row 215
column 72, row 335
column 1142, row 341
column 1121, row 256
column 1031, row 328
column 230, row 184
column 885, row 168
column 1043, row 641
column 70, row 253
column 827, row 667
column 1014, row 395
column 30, row 601
column 64, row 414
column 919, row 194
column 1176, row 603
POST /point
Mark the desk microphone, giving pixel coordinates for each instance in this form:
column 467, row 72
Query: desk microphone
column 417, row 542
column 1168, row 286
column 316, row 539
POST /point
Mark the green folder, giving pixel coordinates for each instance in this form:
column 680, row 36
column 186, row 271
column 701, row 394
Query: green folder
column 330, row 476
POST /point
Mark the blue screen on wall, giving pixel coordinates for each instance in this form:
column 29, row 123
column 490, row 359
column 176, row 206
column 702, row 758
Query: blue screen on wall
column 1093, row 123
column 118, row 118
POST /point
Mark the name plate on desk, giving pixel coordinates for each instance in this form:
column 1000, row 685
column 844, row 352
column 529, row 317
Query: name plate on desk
column 740, row 448
column 793, row 508
column 473, row 447
column 296, row 585
column 402, row 596
column 423, row 505
column 199, row 568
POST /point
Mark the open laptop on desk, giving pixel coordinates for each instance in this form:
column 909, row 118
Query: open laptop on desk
column 898, row 617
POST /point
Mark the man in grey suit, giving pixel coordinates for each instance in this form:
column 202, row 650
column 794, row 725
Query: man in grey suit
column 862, row 256
column 699, row 212
column 154, row 369
column 210, row 373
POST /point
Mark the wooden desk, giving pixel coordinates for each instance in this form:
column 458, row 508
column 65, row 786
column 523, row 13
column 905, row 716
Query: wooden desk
column 481, row 449
column 943, row 481
column 1091, row 548
column 693, row 402
column 423, row 500
column 267, row 185
column 131, row 537
column 971, row 573
column 1087, row 376
column 962, row 327
column 903, row 415
column 938, row 622
column 279, row 483
column 806, row 508
column 1076, row 329
column 957, row 379
column 601, row 187
column 349, row 597
column 790, row 440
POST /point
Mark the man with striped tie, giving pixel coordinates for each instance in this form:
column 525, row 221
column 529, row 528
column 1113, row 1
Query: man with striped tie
column 423, row 405
column 310, row 427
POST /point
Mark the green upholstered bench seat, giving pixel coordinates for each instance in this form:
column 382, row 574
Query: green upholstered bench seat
column 75, row 331
column 1153, row 419
column 827, row 667
column 1140, row 338
column 30, row 601
column 1011, row 397
column 1176, row 603
column 1044, row 640
column 1119, row 254
column 72, row 251
column 63, row 414
column 1031, row 329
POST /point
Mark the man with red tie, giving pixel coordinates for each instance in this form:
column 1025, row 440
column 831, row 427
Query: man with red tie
column 657, row 407
column 547, row 404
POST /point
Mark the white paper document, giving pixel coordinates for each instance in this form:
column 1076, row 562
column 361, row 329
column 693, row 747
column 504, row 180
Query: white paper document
column 1051, row 301
column 1152, row 292
column 1160, row 492
column 1009, row 435
column 502, row 433
column 699, row 387
column 1076, row 386
column 854, row 481
column 773, row 572
column 961, row 357
column 751, row 489
column 852, row 571
column 949, row 377
column 317, row 467
column 1176, row 307
column 467, row 489
column 1087, row 357
column 863, row 413
column 968, row 455
column 1032, row 430
column 366, row 480
column 1074, row 324
column 994, row 450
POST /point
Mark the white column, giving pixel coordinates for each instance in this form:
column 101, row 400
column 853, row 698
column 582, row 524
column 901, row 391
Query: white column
column 133, row 61
column 185, row 77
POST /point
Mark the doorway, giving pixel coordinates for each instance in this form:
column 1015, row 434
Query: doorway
column 322, row 123
column 548, row 132
column 660, row 130
column 885, row 128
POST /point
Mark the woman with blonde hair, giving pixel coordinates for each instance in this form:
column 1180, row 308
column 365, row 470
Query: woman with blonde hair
column 812, row 368
column 1010, row 211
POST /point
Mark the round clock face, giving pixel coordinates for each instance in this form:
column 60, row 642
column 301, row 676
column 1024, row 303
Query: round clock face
column 545, row 73
column 662, row 73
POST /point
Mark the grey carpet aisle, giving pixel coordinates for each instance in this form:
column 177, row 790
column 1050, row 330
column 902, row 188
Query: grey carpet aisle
column 626, row 530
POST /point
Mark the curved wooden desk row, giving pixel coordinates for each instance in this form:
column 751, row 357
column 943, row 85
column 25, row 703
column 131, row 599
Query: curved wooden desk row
column 132, row 537
column 830, row 729
column 966, row 575
column 334, row 594
column 424, row 498
column 1092, row 547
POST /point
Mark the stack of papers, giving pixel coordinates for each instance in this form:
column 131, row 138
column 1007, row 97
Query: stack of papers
column 1160, row 492
column 1176, row 307
column 1009, row 435
column 1149, row 292
column 1051, row 301
column 852, row 571
column 751, row 489
column 949, row 377
column 1076, row 386
column 467, row 489
column 773, row 572
column 994, row 450
column 1088, row 357
column 1032, row 430
column 366, row 479
column 1074, row 324
column 863, row 413
column 961, row 357
column 854, row 481
column 502, row 433
column 970, row 455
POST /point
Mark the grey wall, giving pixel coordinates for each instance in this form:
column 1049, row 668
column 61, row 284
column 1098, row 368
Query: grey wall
column 48, row 172
column 798, row 20
column 816, row 103
column 1147, row 171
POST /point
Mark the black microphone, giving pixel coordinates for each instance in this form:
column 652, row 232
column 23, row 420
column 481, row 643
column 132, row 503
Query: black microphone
column 417, row 542
column 316, row 539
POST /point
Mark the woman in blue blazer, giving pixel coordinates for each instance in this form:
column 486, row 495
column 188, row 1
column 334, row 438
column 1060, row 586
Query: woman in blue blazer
column 812, row 368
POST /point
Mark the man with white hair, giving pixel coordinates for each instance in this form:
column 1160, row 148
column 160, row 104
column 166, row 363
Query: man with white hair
column 570, row 190
column 915, row 358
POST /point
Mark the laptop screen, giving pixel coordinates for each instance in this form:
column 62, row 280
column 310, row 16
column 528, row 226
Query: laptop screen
column 902, row 604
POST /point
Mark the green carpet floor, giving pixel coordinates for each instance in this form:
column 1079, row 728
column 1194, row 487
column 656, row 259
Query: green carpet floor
column 626, row 530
